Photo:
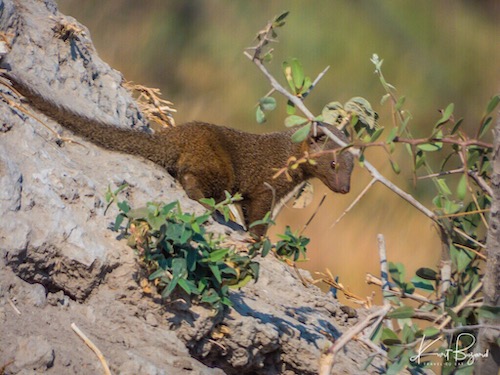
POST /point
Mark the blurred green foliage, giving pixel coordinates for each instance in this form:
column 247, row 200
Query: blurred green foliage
column 439, row 52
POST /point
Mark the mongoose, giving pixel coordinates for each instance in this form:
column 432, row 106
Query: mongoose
column 209, row 159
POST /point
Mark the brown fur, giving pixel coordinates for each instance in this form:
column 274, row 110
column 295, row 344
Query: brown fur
column 210, row 159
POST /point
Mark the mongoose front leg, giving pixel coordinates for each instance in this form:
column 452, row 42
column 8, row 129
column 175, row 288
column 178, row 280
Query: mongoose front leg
column 255, row 208
column 193, row 189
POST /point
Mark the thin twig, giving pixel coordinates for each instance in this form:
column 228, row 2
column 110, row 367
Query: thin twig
column 483, row 257
column 470, row 328
column 465, row 235
column 92, row 346
column 328, row 279
column 13, row 306
column 373, row 346
column 465, row 213
column 313, row 215
column 371, row 279
column 440, row 174
column 355, row 202
column 315, row 82
column 482, row 184
column 461, row 305
column 384, row 273
column 327, row 358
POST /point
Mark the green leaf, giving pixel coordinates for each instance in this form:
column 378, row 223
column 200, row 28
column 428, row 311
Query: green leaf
column 301, row 134
column 428, row 332
column 179, row 267
column 260, row 116
column 489, row 312
column 457, row 126
column 422, row 283
column 430, row 147
column 208, row 201
column 218, row 255
column 290, row 108
column 210, row 296
column 446, row 114
column 170, row 288
column 388, row 334
column 376, row 134
column 157, row 274
column 124, row 206
column 404, row 124
column 408, row 288
column 443, row 187
column 419, row 159
column 267, row 103
column 395, row 166
column 295, row 120
column 462, row 258
column 427, row 273
column 402, row 313
column 297, row 74
column 242, row 282
column 363, row 110
column 216, row 272
column 397, row 271
column 485, row 126
column 280, row 20
column 118, row 222
column 188, row 286
column 333, row 113
column 400, row 103
column 462, row 187
column 168, row 207
column 287, row 71
column 492, row 104
column 392, row 134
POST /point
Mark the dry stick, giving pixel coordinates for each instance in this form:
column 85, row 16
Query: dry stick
column 473, row 174
column 92, row 346
column 384, row 273
column 445, row 254
column 315, row 82
column 371, row 279
column 465, row 235
column 355, row 201
column 483, row 257
column 13, row 306
column 313, row 215
column 439, row 174
column 462, row 304
column 482, row 184
column 327, row 359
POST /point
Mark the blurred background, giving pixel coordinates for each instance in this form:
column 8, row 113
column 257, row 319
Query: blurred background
column 435, row 53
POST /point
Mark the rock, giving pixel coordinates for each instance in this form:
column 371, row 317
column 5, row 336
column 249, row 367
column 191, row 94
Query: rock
column 33, row 294
column 33, row 353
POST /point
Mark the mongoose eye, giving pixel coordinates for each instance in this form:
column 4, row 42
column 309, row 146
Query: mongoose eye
column 333, row 164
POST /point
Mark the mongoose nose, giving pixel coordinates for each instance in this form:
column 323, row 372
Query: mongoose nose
column 344, row 189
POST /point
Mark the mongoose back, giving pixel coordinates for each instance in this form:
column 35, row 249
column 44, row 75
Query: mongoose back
column 209, row 159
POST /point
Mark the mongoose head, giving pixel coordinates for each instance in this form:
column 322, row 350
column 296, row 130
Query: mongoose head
column 332, row 168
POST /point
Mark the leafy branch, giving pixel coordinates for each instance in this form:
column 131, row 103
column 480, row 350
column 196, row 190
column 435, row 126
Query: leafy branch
column 453, row 299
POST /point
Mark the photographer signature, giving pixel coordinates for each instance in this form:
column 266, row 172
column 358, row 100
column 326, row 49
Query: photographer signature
column 458, row 354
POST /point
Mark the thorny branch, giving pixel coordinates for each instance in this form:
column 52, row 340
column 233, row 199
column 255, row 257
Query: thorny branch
column 445, row 255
